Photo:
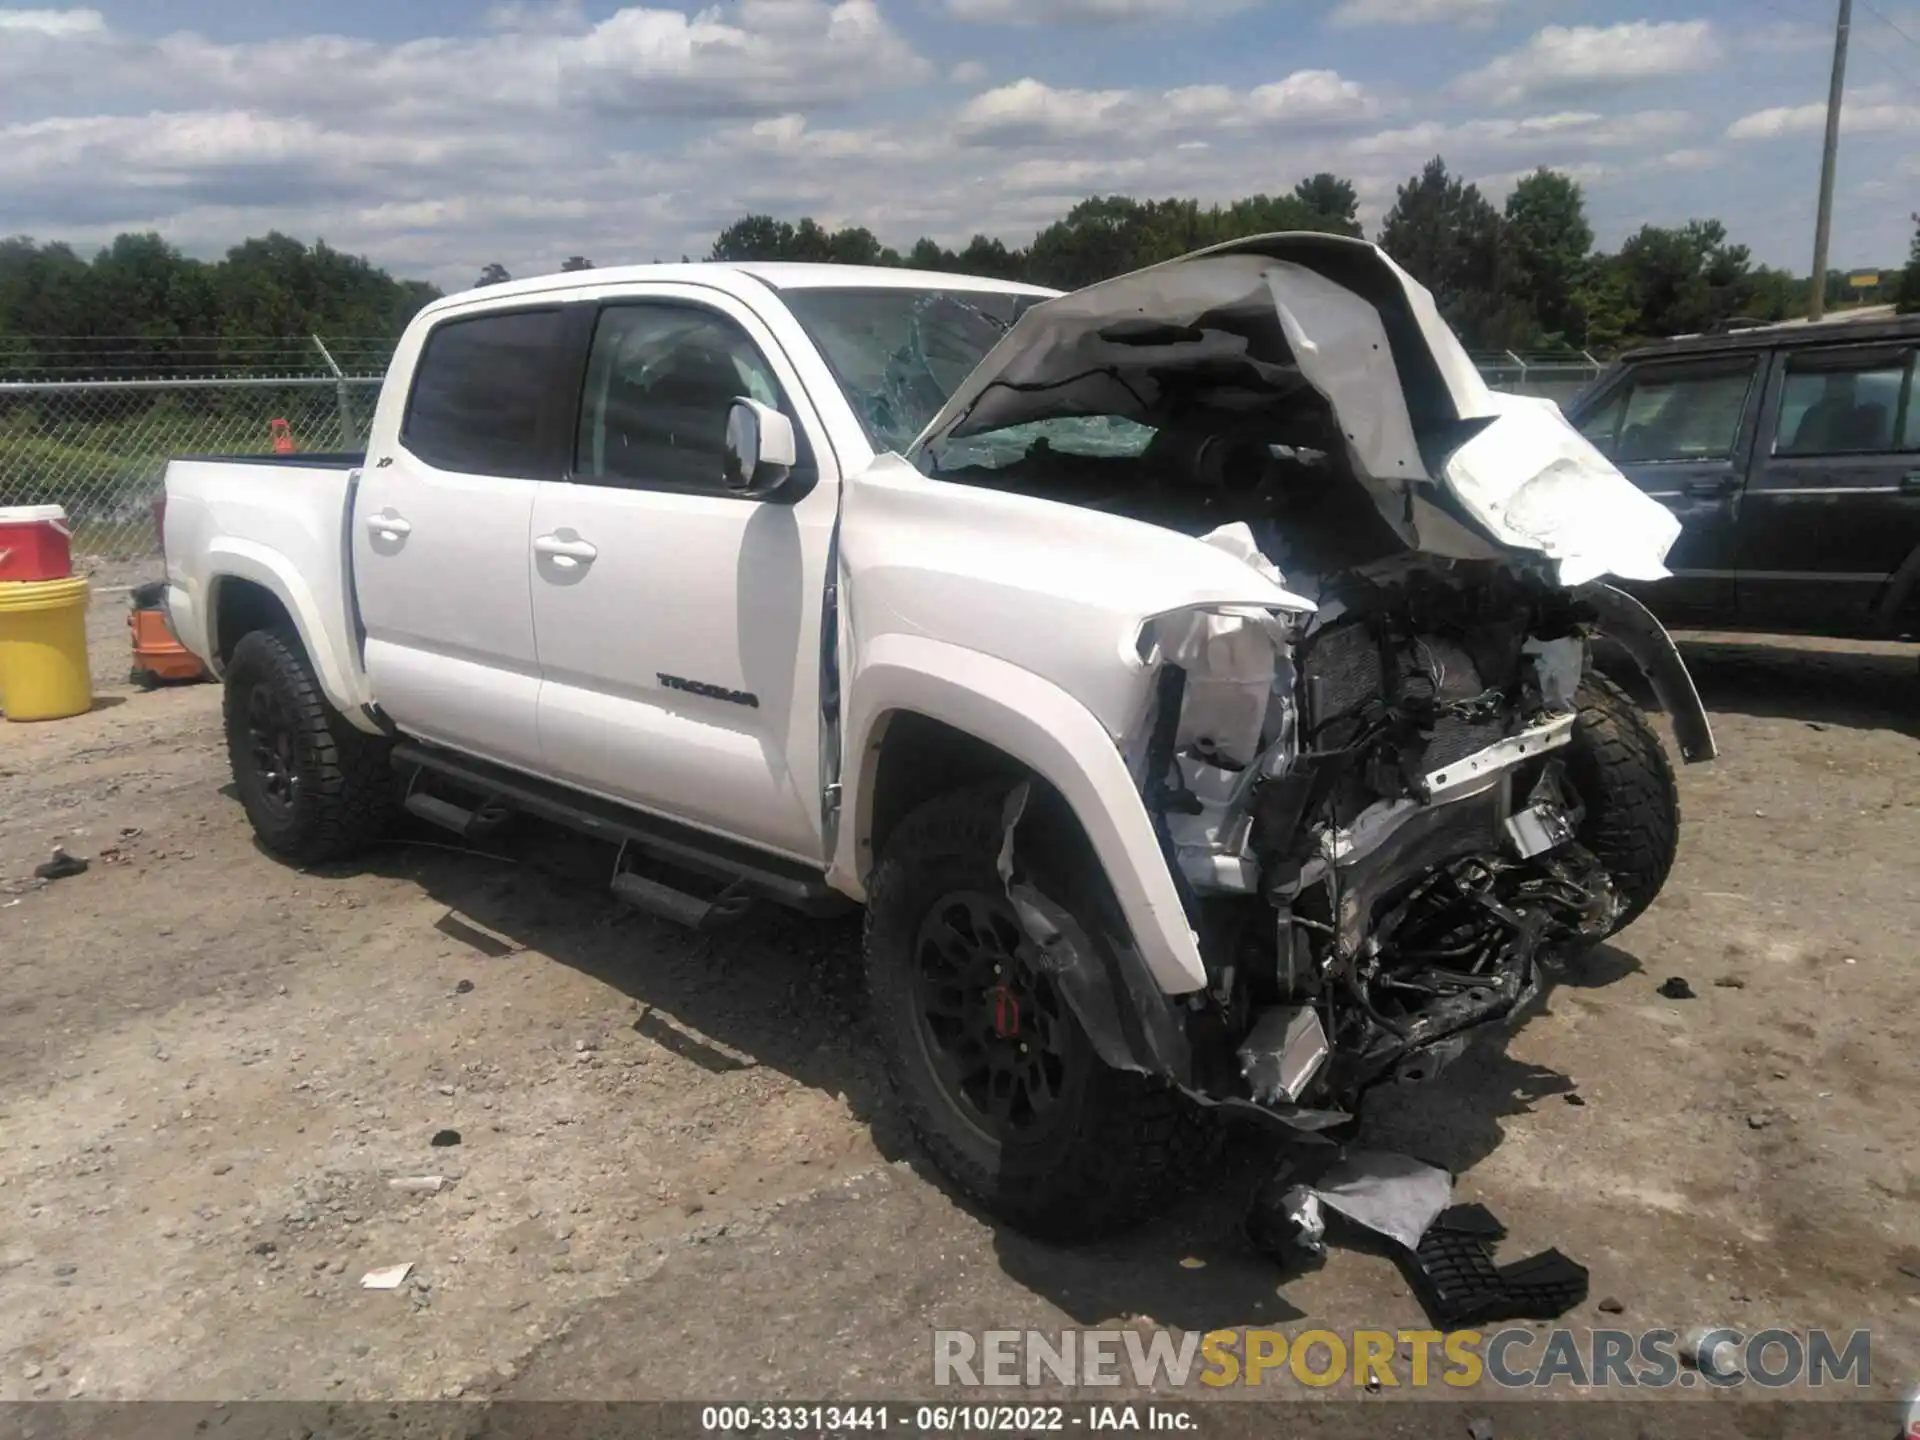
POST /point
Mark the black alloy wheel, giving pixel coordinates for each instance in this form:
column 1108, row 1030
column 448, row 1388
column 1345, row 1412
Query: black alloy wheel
column 272, row 748
column 993, row 1024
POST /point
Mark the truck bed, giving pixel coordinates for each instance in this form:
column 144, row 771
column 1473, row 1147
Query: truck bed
column 276, row 526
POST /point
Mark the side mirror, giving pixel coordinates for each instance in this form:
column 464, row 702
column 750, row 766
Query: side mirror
column 761, row 448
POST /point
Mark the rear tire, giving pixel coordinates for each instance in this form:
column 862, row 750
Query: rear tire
column 1107, row 1148
column 315, row 788
column 1625, row 779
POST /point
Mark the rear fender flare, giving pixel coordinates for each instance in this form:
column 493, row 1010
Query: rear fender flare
column 1041, row 726
column 229, row 559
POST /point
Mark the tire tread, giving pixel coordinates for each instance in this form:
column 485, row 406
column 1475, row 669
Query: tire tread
column 346, row 775
column 1626, row 780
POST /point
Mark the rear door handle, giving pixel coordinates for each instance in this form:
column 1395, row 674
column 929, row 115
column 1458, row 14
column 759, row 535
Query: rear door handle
column 388, row 525
column 565, row 553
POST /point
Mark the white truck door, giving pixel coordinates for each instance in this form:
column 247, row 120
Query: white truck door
column 441, row 528
column 679, row 624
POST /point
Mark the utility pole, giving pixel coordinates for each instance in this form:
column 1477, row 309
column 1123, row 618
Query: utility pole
column 1823, row 223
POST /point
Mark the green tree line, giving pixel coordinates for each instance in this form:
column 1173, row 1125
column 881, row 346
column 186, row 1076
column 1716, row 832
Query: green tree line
column 131, row 304
column 1523, row 276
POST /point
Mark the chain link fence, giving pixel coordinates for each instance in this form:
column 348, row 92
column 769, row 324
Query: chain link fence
column 89, row 422
column 1557, row 377
column 100, row 446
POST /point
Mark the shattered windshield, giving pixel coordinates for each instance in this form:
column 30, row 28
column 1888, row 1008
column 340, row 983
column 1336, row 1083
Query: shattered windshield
column 1101, row 436
column 898, row 354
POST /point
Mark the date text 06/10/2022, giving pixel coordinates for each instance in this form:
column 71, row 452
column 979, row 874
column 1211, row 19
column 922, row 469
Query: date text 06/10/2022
column 943, row 1419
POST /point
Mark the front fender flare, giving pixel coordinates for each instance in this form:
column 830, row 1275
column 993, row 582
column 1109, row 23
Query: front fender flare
column 1632, row 626
column 230, row 558
column 1041, row 726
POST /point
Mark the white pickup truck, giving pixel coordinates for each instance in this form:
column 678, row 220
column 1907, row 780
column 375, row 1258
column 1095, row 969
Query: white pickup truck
column 1189, row 674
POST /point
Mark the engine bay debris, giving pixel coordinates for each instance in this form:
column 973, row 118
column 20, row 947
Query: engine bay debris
column 1370, row 815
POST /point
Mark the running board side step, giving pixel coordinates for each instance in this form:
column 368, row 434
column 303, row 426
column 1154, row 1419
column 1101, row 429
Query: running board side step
column 444, row 813
column 659, row 899
column 490, row 815
column 739, row 873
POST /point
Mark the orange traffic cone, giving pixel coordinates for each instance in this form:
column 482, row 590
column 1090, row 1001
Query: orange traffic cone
column 282, row 437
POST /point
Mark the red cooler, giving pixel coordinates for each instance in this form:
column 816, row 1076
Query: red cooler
column 35, row 544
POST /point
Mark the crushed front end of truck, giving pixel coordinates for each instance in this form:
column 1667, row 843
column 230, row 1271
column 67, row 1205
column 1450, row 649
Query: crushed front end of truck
column 1390, row 808
column 1380, row 854
column 1373, row 815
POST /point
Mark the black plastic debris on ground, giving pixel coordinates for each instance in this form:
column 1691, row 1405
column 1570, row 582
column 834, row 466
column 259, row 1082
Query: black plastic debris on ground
column 1676, row 988
column 443, row 1138
column 1450, row 1266
column 61, row 866
column 1457, row 1282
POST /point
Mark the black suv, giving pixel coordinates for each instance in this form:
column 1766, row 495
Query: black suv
column 1791, row 455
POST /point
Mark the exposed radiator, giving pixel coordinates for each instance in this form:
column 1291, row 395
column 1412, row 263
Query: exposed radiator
column 1343, row 672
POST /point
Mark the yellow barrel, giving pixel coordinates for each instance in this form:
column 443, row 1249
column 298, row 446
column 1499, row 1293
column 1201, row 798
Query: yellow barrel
column 43, row 649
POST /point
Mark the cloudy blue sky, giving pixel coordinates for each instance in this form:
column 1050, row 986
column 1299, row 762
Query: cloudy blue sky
column 437, row 135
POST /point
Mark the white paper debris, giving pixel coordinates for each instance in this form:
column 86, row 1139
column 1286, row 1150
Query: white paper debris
column 417, row 1184
column 1395, row 1195
column 391, row 1277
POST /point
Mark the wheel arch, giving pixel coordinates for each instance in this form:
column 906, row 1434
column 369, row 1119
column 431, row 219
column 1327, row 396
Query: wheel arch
column 241, row 606
column 253, row 588
column 928, row 717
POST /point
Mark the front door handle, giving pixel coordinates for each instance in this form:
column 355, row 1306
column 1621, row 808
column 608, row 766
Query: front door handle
column 389, row 526
column 564, row 553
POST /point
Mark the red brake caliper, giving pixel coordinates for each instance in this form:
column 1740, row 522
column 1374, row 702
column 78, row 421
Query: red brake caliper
column 1006, row 1012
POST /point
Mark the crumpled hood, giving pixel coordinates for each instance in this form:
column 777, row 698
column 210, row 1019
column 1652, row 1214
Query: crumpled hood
column 1458, row 469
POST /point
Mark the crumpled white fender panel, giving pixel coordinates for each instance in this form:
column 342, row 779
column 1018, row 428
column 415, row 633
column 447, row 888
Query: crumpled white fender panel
column 1017, row 620
column 1537, row 483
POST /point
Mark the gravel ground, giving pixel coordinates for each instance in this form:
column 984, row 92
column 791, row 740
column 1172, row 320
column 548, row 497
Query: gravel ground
column 677, row 1172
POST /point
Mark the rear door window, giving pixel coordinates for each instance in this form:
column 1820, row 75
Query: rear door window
column 483, row 393
column 1846, row 402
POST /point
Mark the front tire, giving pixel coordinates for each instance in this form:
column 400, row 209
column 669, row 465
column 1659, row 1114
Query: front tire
column 315, row 788
column 1625, row 780
column 997, row 1079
